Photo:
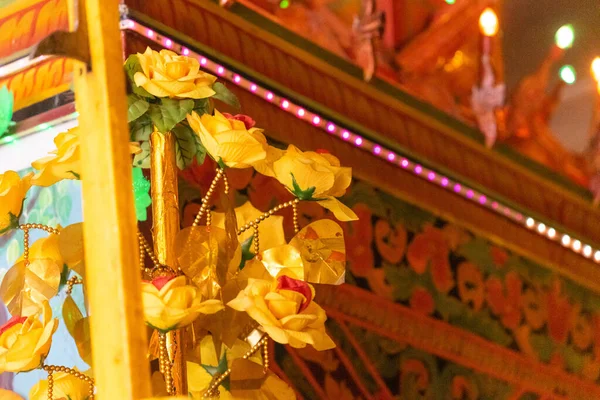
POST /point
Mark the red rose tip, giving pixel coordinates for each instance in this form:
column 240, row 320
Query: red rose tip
column 12, row 322
column 162, row 281
column 248, row 121
column 296, row 285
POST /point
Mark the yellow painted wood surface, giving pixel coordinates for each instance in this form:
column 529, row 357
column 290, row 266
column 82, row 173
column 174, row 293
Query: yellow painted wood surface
column 118, row 332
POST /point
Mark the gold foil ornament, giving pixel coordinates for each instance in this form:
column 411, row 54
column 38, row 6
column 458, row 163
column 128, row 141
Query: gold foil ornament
column 70, row 245
column 23, row 286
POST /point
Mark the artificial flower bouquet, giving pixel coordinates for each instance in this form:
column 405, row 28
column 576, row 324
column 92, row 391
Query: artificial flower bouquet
column 237, row 283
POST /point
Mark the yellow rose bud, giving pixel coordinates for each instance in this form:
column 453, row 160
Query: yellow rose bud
column 170, row 303
column 315, row 176
column 65, row 386
column 25, row 341
column 13, row 189
column 166, row 74
column 285, row 310
column 64, row 163
column 232, row 141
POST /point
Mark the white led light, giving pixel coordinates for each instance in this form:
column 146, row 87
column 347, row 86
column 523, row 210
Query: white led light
column 597, row 256
column 577, row 245
column 551, row 233
column 530, row 222
column 566, row 240
column 587, row 250
column 541, row 228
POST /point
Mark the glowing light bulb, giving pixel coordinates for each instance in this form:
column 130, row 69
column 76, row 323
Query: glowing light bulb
column 565, row 36
column 488, row 22
column 596, row 69
column 568, row 75
column 450, row 1
column 530, row 222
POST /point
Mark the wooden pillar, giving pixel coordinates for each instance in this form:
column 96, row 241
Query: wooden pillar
column 118, row 332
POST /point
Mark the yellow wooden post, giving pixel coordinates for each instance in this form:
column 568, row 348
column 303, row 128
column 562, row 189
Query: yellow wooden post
column 118, row 333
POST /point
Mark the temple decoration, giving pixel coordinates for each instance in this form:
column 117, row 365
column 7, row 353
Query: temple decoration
column 367, row 29
column 204, row 288
column 489, row 96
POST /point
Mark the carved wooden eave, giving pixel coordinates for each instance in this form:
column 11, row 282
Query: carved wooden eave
column 333, row 87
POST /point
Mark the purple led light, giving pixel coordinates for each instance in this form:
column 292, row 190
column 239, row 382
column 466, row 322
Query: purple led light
column 150, row 33
column 377, row 150
column 404, row 163
column 237, row 79
column 346, row 135
column 358, row 141
column 330, row 128
column 431, row 175
column 203, row 61
column 391, row 156
column 168, row 43
column 470, row 194
column 285, row 104
column 186, row 52
column 418, row 169
column 220, row 70
column 482, row 199
column 457, row 188
column 270, row 96
column 301, row 112
column 495, row 205
column 445, row 182
column 316, row 120
column 253, row 88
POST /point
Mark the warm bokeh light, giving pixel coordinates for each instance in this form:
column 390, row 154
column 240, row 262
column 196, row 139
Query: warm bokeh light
column 488, row 22
column 568, row 75
column 596, row 69
column 450, row 1
column 565, row 36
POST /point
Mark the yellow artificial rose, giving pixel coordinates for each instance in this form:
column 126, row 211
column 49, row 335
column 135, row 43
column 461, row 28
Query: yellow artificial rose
column 233, row 141
column 166, row 74
column 25, row 341
column 64, row 163
column 315, row 176
column 170, row 303
column 66, row 386
column 270, row 230
column 285, row 310
column 10, row 395
column 13, row 189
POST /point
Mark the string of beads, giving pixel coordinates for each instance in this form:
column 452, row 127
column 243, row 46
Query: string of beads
column 51, row 369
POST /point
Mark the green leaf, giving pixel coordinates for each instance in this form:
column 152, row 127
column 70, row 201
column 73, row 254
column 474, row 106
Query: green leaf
column 169, row 113
column 64, row 276
column 6, row 110
column 187, row 146
column 247, row 255
column 202, row 106
column 141, row 128
column 13, row 251
column 302, row 194
column 219, row 370
column 132, row 65
column 223, row 94
column 44, row 200
column 137, row 107
column 63, row 207
column 142, row 160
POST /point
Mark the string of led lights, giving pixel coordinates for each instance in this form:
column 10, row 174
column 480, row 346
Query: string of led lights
column 376, row 149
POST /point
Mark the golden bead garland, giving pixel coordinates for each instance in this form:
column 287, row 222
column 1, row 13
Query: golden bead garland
column 204, row 207
column 164, row 362
column 74, row 280
column 267, row 215
column 26, row 228
column 296, row 223
column 213, row 389
column 51, row 369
